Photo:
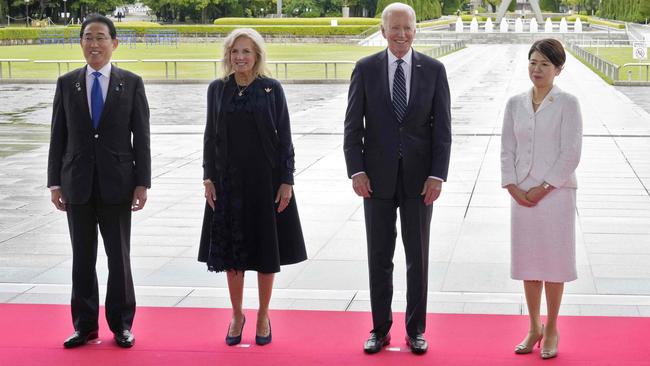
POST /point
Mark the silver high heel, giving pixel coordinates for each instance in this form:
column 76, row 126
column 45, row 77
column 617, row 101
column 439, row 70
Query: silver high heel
column 525, row 347
column 550, row 353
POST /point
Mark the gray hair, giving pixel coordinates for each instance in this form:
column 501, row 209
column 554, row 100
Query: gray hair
column 260, row 68
column 396, row 7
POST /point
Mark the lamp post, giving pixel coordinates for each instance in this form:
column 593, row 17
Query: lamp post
column 65, row 12
column 27, row 13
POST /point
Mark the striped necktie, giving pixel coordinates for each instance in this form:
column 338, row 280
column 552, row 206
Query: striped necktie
column 399, row 91
column 96, row 99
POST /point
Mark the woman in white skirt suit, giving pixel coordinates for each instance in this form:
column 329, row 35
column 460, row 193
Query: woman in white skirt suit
column 540, row 150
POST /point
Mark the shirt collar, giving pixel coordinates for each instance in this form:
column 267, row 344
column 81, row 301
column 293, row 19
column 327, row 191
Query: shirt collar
column 407, row 58
column 551, row 96
column 105, row 71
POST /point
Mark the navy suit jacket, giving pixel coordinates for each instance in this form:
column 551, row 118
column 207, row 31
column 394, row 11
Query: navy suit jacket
column 373, row 138
column 119, row 149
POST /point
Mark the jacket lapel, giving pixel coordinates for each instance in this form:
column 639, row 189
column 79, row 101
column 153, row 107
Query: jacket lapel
column 81, row 96
column 115, row 86
column 528, row 102
column 550, row 98
column 416, row 75
column 382, row 76
column 224, row 99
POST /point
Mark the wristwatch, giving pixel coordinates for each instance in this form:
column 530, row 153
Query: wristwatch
column 547, row 187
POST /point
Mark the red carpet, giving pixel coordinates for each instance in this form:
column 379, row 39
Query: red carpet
column 33, row 334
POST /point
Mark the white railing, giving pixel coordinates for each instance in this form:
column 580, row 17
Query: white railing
column 9, row 61
column 68, row 62
column 609, row 69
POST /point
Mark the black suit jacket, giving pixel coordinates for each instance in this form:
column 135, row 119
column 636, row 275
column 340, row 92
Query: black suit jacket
column 118, row 149
column 374, row 140
column 271, row 116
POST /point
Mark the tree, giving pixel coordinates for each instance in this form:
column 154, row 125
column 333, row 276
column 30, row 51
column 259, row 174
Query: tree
column 424, row 9
column 427, row 9
column 357, row 7
column 644, row 9
column 300, row 7
column 626, row 10
column 550, row 5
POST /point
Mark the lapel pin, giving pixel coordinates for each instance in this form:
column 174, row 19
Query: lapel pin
column 268, row 90
column 78, row 86
column 119, row 87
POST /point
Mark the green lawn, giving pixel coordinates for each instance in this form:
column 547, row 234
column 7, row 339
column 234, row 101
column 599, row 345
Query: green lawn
column 277, row 52
column 621, row 56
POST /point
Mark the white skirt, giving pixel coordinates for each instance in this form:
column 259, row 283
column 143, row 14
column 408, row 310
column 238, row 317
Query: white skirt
column 543, row 244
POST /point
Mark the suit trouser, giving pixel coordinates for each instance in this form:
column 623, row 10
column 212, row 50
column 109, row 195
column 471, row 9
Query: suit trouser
column 114, row 223
column 381, row 232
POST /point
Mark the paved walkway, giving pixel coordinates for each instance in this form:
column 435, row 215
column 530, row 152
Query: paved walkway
column 469, row 260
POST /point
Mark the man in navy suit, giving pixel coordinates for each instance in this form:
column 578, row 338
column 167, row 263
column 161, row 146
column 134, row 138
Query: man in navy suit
column 397, row 143
column 99, row 169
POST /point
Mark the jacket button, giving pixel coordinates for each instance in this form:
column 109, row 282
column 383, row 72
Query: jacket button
column 96, row 136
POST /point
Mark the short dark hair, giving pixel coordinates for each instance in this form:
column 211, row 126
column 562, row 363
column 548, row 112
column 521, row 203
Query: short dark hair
column 550, row 48
column 98, row 18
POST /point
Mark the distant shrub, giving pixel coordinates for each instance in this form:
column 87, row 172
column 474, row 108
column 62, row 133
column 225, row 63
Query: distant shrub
column 296, row 21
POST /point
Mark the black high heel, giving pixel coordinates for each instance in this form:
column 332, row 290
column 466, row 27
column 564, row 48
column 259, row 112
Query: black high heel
column 261, row 341
column 231, row 341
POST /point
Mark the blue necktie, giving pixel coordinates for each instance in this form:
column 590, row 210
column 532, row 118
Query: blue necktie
column 96, row 99
column 399, row 91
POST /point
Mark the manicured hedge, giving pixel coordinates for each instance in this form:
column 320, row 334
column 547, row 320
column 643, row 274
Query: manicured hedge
column 19, row 33
column 605, row 23
column 295, row 21
column 431, row 23
column 314, row 30
column 191, row 30
column 588, row 19
column 468, row 18
column 341, row 30
column 136, row 24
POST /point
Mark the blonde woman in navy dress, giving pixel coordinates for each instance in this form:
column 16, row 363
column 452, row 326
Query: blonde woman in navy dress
column 251, row 219
column 540, row 150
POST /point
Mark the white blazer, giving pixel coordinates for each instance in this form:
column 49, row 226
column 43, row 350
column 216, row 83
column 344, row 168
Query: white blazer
column 544, row 145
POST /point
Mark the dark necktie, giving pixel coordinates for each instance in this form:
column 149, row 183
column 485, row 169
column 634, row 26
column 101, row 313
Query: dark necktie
column 399, row 91
column 96, row 99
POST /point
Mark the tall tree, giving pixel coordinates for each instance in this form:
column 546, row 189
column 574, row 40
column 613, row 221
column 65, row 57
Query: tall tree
column 427, row 9
column 550, row 5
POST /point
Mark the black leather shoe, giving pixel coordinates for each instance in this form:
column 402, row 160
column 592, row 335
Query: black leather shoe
column 231, row 341
column 125, row 338
column 417, row 344
column 375, row 342
column 79, row 338
column 264, row 340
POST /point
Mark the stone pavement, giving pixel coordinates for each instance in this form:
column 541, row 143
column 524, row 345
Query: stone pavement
column 469, row 255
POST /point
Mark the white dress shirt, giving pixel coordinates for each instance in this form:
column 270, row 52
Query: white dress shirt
column 406, row 66
column 103, row 82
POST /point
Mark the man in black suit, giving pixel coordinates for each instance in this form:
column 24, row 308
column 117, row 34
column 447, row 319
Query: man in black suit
column 397, row 145
column 99, row 169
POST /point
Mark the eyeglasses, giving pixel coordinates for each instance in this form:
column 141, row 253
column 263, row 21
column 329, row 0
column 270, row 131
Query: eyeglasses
column 98, row 39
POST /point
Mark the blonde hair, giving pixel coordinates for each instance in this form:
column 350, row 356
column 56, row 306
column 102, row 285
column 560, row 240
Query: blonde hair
column 259, row 69
column 397, row 7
